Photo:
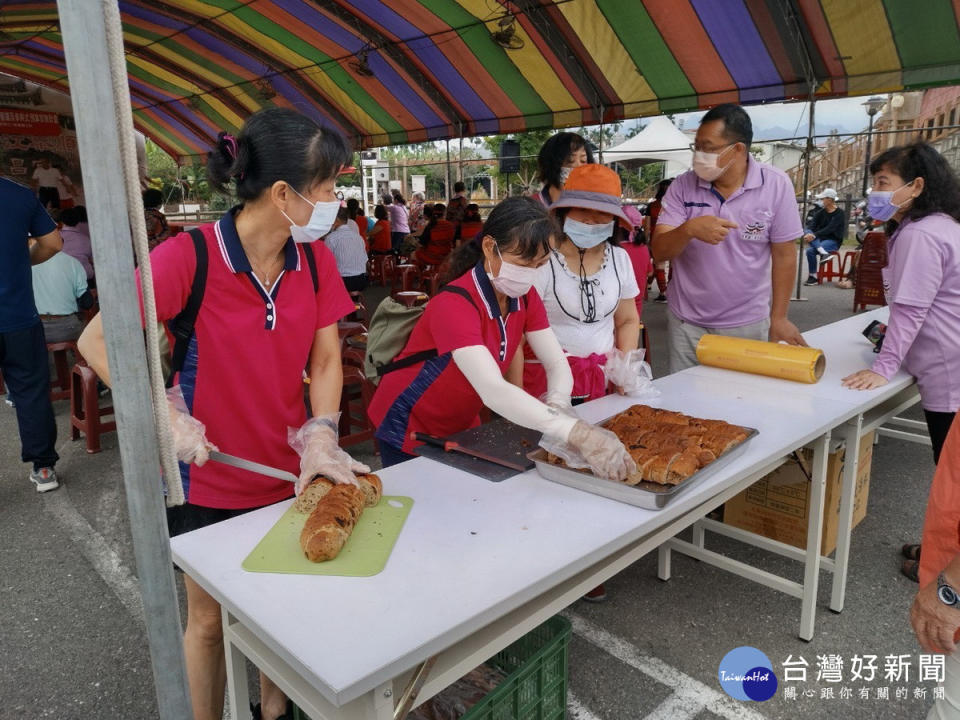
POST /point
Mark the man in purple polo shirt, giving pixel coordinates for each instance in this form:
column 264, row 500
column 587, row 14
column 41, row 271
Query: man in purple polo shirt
column 728, row 227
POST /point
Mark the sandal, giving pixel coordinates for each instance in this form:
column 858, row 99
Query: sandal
column 911, row 551
column 911, row 570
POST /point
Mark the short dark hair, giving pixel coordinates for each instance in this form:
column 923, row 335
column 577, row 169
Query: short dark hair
column 439, row 210
column 343, row 215
column 387, row 199
column 398, row 198
column 737, row 126
column 941, row 190
column 152, row 198
column 380, row 212
column 458, row 186
column 70, row 217
column 520, row 225
column 82, row 210
column 554, row 153
column 276, row 144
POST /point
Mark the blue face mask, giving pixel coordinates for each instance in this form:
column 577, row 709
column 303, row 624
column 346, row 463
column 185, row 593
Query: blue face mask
column 880, row 204
column 586, row 236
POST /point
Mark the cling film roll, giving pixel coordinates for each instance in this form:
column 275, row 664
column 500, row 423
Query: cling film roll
column 788, row 362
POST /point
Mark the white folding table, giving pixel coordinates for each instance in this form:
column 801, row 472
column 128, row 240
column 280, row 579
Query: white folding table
column 479, row 564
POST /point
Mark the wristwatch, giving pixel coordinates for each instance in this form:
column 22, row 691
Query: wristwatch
column 946, row 593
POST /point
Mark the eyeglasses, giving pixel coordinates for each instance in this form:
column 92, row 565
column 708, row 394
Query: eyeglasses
column 693, row 146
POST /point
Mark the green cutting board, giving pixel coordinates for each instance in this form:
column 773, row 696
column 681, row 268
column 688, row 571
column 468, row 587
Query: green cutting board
column 365, row 553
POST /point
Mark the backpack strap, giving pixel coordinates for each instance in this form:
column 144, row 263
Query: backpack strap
column 423, row 355
column 182, row 325
column 312, row 264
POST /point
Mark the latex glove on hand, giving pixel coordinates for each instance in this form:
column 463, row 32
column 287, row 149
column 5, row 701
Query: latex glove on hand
column 189, row 434
column 320, row 453
column 607, row 456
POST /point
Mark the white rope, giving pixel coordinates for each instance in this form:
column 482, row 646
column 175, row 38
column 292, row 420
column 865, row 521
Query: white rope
column 138, row 227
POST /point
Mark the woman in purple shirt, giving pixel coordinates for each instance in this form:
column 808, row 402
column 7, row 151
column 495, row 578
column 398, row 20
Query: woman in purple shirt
column 915, row 190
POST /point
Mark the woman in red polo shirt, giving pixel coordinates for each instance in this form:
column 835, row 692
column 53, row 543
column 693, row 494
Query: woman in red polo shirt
column 380, row 235
column 260, row 324
column 456, row 357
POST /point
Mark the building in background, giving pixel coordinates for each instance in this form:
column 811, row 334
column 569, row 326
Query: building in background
column 929, row 115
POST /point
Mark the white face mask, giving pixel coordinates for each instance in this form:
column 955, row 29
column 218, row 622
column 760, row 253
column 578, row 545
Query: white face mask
column 514, row 280
column 321, row 220
column 705, row 164
column 586, row 236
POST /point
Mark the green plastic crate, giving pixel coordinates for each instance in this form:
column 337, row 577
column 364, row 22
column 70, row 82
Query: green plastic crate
column 536, row 684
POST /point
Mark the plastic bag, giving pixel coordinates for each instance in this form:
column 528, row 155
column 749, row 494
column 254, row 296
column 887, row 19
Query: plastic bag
column 320, row 453
column 629, row 372
column 456, row 700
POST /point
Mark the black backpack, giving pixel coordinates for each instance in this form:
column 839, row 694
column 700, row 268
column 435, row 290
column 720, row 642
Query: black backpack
column 182, row 325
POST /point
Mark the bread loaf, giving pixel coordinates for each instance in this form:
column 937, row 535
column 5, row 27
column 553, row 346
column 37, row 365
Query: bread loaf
column 372, row 488
column 308, row 499
column 330, row 524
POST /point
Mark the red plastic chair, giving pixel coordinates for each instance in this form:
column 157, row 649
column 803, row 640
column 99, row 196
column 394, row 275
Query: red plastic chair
column 347, row 329
column 830, row 268
column 86, row 415
column 60, row 387
column 355, row 425
column 869, row 285
column 404, row 278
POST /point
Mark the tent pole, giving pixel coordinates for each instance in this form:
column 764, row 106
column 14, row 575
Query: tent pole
column 806, row 188
column 83, row 24
column 449, row 188
column 460, row 159
column 600, row 153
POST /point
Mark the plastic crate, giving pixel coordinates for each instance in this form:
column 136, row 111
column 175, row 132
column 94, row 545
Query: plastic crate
column 536, row 684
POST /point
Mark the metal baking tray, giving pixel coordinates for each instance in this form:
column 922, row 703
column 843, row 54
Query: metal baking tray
column 648, row 495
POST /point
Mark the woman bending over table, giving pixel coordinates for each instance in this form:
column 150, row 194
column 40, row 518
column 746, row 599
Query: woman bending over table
column 455, row 360
column 917, row 193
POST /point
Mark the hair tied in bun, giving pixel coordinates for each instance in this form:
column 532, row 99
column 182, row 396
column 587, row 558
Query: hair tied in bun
column 232, row 148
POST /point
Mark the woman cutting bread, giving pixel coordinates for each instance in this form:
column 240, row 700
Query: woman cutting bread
column 455, row 360
column 270, row 308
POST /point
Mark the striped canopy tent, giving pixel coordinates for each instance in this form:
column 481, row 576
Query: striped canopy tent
column 400, row 71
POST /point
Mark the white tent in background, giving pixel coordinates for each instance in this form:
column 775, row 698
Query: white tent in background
column 659, row 141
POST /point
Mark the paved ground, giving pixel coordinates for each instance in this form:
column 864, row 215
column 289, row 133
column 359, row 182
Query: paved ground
column 72, row 643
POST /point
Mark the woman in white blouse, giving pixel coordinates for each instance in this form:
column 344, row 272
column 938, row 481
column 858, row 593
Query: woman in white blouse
column 588, row 286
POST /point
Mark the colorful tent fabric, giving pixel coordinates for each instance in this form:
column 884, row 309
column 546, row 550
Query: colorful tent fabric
column 436, row 69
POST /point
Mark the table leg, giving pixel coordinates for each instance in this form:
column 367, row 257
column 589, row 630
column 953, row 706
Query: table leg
column 848, row 490
column 664, row 562
column 238, row 694
column 811, row 574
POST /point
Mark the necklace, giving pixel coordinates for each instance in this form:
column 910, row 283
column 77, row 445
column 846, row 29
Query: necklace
column 264, row 274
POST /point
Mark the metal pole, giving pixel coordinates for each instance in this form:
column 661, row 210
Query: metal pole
column 866, row 159
column 460, row 158
column 448, row 188
column 806, row 188
column 83, row 26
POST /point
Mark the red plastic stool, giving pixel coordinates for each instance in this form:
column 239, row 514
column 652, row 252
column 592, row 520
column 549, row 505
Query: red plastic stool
column 405, row 277
column 86, row 415
column 847, row 264
column 829, row 268
column 60, row 388
column 410, row 298
column 347, row 329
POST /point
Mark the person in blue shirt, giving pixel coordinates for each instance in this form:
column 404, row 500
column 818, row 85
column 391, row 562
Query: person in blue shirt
column 825, row 232
column 28, row 236
column 60, row 292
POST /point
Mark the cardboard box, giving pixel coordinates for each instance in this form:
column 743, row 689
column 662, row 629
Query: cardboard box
column 778, row 506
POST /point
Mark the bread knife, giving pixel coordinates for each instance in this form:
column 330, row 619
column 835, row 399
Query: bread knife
column 451, row 446
column 252, row 466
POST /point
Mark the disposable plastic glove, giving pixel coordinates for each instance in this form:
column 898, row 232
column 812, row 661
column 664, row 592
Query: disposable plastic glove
column 189, row 434
column 320, row 453
column 559, row 402
column 602, row 450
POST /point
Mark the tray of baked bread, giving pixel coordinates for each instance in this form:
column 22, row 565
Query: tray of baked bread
column 673, row 452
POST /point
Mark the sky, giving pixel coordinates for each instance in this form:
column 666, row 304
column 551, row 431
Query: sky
column 842, row 114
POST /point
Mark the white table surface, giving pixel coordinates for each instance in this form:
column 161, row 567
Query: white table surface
column 473, row 550
column 846, row 350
